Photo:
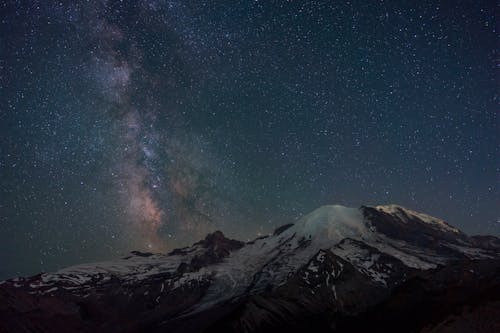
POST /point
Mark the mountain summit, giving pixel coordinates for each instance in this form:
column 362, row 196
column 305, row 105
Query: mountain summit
column 337, row 269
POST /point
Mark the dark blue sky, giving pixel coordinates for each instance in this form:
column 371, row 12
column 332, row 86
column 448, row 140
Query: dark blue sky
column 145, row 125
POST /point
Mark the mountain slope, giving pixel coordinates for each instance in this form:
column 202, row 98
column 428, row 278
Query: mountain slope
column 331, row 268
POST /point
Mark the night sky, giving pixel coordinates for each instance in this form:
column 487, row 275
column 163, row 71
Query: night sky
column 145, row 125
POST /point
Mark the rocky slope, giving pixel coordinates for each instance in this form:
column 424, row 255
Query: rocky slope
column 338, row 269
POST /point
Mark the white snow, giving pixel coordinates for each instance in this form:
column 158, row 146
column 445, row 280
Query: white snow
column 276, row 257
column 48, row 291
column 313, row 268
column 135, row 268
column 401, row 212
column 273, row 259
column 471, row 252
column 409, row 255
column 330, row 224
column 364, row 260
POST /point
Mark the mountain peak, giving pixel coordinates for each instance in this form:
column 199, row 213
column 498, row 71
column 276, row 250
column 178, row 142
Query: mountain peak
column 215, row 236
column 335, row 258
column 218, row 239
column 405, row 214
column 332, row 223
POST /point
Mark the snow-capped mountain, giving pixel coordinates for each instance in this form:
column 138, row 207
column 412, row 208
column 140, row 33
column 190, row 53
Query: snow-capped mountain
column 337, row 269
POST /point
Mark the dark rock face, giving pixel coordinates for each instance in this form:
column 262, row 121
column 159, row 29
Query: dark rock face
column 410, row 228
column 486, row 242
column 109, row 307
column 394, row 269
column 217, row 247
column 382, row 269
column 141, row 254
column 109, row 304
column 434, row 300
column 279, row 230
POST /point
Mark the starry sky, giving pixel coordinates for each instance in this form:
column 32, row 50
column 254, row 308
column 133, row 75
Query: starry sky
column 144, row 125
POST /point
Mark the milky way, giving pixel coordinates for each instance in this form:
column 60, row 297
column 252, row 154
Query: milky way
column 159, row 174
column 137, row 139
column 144, row 125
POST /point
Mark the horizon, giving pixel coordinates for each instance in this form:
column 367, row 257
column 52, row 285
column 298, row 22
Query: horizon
column 145, row 125
column 246, row 241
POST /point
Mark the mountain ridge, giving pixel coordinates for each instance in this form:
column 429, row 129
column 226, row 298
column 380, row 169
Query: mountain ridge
column 334, row 264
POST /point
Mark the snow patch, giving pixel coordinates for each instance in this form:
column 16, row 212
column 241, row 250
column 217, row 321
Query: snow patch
column 404, row 213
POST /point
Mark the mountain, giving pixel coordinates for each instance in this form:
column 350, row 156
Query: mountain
column 338, row 269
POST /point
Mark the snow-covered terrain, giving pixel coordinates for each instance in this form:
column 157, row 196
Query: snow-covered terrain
column 334, row 251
